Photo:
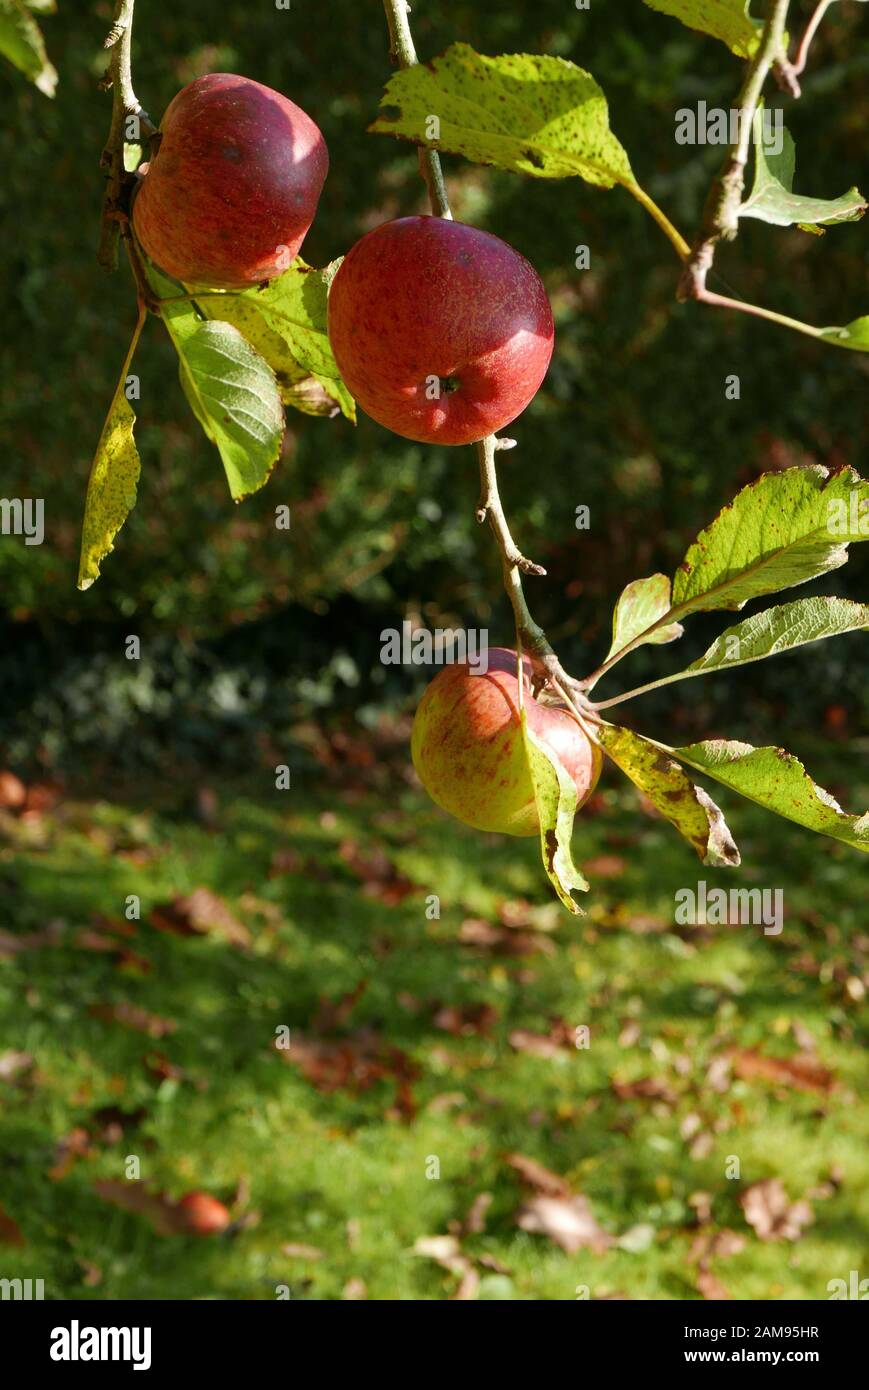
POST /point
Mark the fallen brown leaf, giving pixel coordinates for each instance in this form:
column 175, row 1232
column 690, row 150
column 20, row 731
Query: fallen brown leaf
column 15, row 1064
column 560, row 1038
column 379, row 877
column 13, row 942
column 10, row 1231
column 354, row 1064
column 475, row 1217
column 710, row 1286
column 768, row 1209
column 447, row 1252
column 709, row 1244
column 75, row 1145
column 645, row 1088
column 200, row 913
column 485, row 936
column 803, row 1071
column 332, row 1014
column 605, row 866
column 535, row 1176
column 568, row 1221
column 465, row 1020
column 131, row 1016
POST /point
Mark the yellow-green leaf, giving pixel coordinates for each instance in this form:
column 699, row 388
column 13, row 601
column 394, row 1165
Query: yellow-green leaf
column 555, row 795
column 22, row 43
column 690, row 809
column 111, row 494
column 532, row 113
column 727, row 20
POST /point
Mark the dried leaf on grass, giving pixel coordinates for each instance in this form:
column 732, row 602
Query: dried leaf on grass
column 379, row 877
column 135, row 1018
column 803, row 1071
column 645, row 1088
column 534, row 1175
column 555, row 1210
column 354, row 1062
column 560, row 1038
column 10, row 1231
column 200, row 913
column 14, row 1065
column 768, row 1209
column 13, row 942
column 465, row 1020
column 447, row 1252
column 503, row 941
column 568, row 1221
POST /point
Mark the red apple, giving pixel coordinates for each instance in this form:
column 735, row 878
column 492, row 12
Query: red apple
column 233, row 188
column 442, row 332
column 202, row 1214
column 468, row 749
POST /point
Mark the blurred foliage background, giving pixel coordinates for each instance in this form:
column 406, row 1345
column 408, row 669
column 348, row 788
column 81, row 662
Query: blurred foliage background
column 244, row 629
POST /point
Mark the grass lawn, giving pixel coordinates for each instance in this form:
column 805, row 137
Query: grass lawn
column 426, row 1054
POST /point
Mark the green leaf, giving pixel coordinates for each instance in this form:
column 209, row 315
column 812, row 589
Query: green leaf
column 688, row 808
column 290, row 376
column 854, row 335
column 22, row 43
column 533, row 114
column 111, row 494
column 231, row 389
column 555, row 795
column 780, row 630
column 772, row 198
column 286, row 323
column 727, row 20
column 777, row 780
column 640, row 605
column 781, row 530
column 233, row 394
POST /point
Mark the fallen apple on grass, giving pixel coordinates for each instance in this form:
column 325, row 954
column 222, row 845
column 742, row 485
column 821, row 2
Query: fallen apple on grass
column 202, row 1214
column 442, row 332
column 469, row 753
column 229, row 196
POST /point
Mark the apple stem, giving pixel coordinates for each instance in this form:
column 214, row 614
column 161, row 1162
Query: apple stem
column 124, row 104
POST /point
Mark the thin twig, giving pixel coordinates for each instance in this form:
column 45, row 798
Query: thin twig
column 403, row 54
column 721, row 214
column 124, row 104
column 802, row 57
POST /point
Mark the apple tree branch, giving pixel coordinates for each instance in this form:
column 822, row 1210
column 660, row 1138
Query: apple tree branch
column 124, row 104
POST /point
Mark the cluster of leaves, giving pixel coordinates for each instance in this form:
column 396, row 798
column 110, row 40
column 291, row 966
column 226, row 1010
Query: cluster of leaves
column 783, row 530
column 548, row 118
column 243, row 357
